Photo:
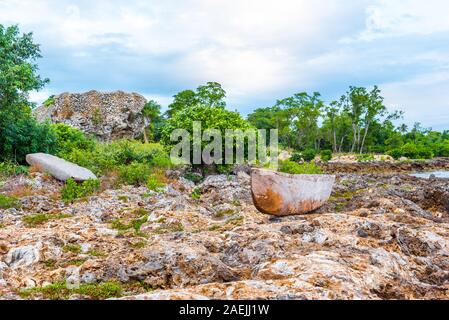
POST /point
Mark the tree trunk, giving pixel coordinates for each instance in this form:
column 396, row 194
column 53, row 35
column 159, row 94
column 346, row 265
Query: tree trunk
column 335, row 140
column 364, row 138
column 341, row 143
column 145, row 135
column 354, row 140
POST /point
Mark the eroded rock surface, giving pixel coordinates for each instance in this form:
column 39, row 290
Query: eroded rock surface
column 378, row 237
column 107, row 116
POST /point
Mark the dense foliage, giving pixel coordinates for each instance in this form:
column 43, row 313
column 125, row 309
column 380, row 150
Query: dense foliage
column 358, row 122
column 210, row 117
column 20, row 134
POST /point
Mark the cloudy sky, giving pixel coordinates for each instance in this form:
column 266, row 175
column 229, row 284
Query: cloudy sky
column 260, row 50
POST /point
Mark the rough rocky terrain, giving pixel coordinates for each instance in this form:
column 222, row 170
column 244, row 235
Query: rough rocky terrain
column 381, row 236
column 107, row 116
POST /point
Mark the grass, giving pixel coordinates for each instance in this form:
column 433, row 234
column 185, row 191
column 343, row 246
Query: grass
column 196, row 194
column 170, row 228
column 9, row 202
column 36, row 220
column 60, row 291
column 73, row 248
column 296, row 168
column 123, row 198
column 51, row 264
column 76, row 263
column 96, row 253
column 135, row 224
column 139, row 245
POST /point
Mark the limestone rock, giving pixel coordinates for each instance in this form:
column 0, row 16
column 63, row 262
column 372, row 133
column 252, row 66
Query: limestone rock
column 23, row 256
column 59, row 168
column 107, row 116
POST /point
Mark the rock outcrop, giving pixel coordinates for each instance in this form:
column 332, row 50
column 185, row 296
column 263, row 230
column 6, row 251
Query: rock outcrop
column 107, row 116
column 59, row 168
column 379, row 236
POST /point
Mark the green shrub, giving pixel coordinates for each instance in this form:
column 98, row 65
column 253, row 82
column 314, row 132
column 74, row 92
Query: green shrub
column 9, row 202
column 196, row 194
column 291, row 167
column 154, row 183
column 109, row 156
column 194, row 177
column 326, row 155
column 396, row 153
column 296, row 157
column 9, row 169
column 443, row 149
column 309, row 154
column 410, row 150
column 134, row 174
column 49, row 102
column 425, row 152
column 366, row 157
column 73, row 190
column 23, row 135
column 69, row 138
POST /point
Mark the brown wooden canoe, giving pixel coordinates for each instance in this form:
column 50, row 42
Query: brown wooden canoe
column 282, row 194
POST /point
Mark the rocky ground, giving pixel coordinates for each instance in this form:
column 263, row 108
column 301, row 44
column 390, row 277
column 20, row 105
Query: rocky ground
column 381, row 236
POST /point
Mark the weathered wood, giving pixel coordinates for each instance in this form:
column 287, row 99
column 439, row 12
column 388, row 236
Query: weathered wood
column 283, row 194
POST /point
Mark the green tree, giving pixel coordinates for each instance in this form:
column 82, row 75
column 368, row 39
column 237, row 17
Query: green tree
column 153, row 121
column 19, row 132
column 304, row 110
column 182, row 100
column 210, row 118
column 211, row 94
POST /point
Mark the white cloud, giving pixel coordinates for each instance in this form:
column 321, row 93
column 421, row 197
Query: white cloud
column 260, row 50
column 423, row 98
column 389, row 18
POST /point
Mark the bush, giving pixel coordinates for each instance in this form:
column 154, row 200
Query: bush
column 291, row 167
column 24, row 135
column 296, row 157
column 8, row 169
column 155, row 183
column 309, row 154
column 396, row 153
column 68, row 139
column 365, row 157
column 109, row 156
column 135, row 173
column 73, row 190
column 194, row 177
column 443, row 149
column 326, row 155
column 9, row 202
column 410, row 150
column 425, row 152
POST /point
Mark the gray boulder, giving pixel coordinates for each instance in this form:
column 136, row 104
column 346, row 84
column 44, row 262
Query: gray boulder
column 106, row 116
column 59, row 168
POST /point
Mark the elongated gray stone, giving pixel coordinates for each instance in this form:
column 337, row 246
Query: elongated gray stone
column 281, row 194
column 59, row 168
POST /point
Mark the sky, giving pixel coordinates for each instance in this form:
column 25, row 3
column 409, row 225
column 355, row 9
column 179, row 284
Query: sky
column 259, row 50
